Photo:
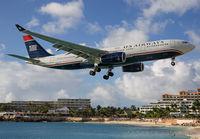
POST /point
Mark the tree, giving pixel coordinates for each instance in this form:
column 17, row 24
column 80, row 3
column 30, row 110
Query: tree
column 194, row 109
column 196, row 104
column 4, row 108
column 118, row 111
column 31, row 107
column 43, row 109
column 133, row 108
column 98, row 107
column 167, row 111
column 173, row 108
column 89, row 112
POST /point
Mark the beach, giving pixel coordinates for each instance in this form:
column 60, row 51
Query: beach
column 192, row 132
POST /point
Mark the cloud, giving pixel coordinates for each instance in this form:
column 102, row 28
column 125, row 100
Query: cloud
column 65, row 16
column 2, row 46
column 129, row 2
column 160, row 26
column 149, row 85
column 68, row 9
column 157, row 7
column 145, row 25
column 122, row 35
column 154, row 8
column 103, row 95
column 140, row 3
column 29, row 82
column 194, row 38
column 93, row 28
column 62, row 94
column 34, row 22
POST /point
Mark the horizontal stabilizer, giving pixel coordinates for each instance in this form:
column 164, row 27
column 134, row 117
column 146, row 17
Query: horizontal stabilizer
column 25, row 58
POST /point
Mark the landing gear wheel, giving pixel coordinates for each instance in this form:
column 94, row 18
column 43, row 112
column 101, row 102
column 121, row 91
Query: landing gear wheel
column 98, row 70
column 106, row 77
column 110, row 74
column 173, row 63
column 92, row 73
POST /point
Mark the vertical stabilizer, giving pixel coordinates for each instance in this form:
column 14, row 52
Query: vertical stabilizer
column 34, row 49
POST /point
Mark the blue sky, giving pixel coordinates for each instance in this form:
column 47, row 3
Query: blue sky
column 99, row 24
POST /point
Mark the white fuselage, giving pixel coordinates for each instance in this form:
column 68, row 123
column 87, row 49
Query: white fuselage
column 134, row 53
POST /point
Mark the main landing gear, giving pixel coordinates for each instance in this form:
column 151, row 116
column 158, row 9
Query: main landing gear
column 109, row 73
column 173, row 61
column 97, row 69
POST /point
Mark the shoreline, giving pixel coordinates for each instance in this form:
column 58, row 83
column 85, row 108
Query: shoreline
column 139, row 123
column 192, row 132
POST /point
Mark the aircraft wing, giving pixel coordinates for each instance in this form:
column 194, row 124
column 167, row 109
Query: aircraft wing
column 91, row 54
column 25, row 58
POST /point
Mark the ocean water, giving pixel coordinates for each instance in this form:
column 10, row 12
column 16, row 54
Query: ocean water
column 40, row 130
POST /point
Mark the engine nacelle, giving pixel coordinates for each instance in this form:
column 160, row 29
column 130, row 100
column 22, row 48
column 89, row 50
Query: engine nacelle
column 137, row 67
column 117, row 57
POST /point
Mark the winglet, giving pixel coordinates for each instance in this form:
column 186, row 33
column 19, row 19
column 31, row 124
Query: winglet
column 20, row 28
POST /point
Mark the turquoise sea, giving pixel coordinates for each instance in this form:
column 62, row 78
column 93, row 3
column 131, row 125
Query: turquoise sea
column 49, row 130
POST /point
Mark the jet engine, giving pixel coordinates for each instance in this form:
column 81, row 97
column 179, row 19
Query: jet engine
column 137, row 67
column 117, row 57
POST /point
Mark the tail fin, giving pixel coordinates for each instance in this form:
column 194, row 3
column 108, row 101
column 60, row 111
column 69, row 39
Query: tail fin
column 34, row 49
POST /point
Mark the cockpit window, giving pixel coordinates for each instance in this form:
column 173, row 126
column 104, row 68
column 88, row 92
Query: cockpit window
column 185, row 42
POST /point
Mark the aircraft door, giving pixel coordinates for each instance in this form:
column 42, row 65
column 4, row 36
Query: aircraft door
column 172, row 43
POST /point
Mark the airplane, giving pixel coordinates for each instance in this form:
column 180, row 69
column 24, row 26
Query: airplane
column 129, row 57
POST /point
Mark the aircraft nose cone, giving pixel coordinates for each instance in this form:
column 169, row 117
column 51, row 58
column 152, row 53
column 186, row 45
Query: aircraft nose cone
column 189, row 47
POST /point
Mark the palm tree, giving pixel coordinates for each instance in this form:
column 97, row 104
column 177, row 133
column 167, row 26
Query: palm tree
column 187, row 109
column 167, row 111
column 4, row 108
column 133, row 108
column 98, row 107
column 194, row 109
column 196, row 104
column 173, row 107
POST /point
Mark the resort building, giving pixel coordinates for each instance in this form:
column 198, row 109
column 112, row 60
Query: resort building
column 181, row 103
column 63, row 110
column 60, row 103
column 183, row 95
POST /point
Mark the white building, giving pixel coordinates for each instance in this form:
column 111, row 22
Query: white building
column 60, row 103
column 63, row 110
column 181, row 106
column 182, row 103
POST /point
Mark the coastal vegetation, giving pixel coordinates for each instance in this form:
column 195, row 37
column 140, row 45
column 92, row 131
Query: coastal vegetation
column 116, row 112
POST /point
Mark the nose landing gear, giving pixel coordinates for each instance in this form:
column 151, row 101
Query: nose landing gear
column 173, row 61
